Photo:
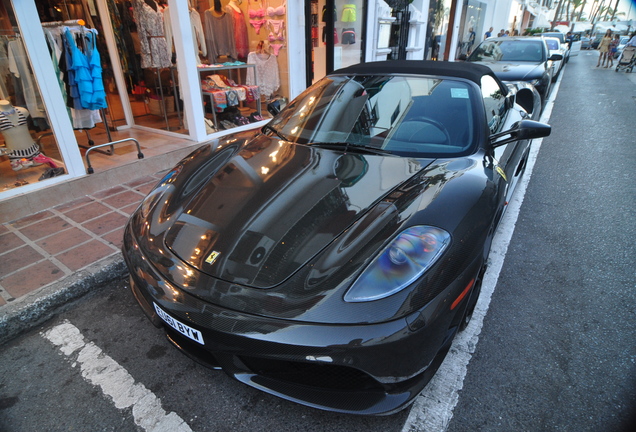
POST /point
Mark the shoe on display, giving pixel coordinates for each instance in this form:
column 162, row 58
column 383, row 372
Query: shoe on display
column 41, row 159
column 19, row 164
column 52, row 172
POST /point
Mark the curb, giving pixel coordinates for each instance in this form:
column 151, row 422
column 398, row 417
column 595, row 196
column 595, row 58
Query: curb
column 31, row 310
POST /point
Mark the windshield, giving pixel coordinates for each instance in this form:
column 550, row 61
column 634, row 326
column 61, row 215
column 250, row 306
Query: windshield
column 516, row 50
column 402, row 115
column 553, row 44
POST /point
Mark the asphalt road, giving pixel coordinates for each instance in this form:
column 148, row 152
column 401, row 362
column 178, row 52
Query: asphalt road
column 557, row 349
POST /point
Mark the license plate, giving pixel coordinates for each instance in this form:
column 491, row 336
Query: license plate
column 185, row 330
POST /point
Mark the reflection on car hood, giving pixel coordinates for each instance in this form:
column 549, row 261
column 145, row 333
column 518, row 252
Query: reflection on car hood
column 513, row 71
column 274, row 205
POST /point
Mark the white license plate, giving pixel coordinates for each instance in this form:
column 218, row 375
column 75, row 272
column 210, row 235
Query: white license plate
column 185, row 330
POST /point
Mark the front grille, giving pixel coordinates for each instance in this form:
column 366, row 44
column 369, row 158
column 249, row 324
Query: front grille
column 317, row 375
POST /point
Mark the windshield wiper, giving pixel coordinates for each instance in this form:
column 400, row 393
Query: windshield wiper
column 276, row 132
column 353, row 148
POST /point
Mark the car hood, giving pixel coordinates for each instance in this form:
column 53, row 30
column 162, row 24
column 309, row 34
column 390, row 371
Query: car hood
column 513, row 71
column 256, row 213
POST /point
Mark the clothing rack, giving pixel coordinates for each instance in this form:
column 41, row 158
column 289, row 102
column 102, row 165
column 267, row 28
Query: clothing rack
column 81, row 24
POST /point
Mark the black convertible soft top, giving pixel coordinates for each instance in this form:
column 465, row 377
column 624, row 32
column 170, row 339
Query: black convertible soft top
column 469, row 71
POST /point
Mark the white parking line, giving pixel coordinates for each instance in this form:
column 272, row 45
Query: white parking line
column 100, row 370
column 433, row 409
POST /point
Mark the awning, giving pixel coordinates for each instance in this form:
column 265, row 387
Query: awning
column 580, row 27
column 541, row 21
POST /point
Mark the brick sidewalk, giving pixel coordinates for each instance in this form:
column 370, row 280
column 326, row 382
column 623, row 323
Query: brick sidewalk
column 54, row 244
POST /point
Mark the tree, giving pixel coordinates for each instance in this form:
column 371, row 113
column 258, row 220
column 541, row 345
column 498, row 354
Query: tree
column 557, row 14
column 615, row 9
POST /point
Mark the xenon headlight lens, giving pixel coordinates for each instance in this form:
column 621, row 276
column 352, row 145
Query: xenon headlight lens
column 403, row 261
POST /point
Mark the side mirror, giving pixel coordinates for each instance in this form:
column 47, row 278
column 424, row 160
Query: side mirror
column 521, row 130
column 276, row 105
column 555, row 57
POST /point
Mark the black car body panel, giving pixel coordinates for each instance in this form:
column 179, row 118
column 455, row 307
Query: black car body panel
column 248, row 250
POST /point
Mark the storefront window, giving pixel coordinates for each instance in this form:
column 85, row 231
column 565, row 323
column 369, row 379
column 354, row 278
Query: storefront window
column 29, row 152
column 473, row 28
column 337, row 31
column 242, row 52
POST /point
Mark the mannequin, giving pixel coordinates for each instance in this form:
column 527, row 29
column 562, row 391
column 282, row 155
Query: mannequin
column 235, row 5
column 23, row 152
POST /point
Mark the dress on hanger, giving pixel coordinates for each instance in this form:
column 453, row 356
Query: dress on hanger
column 150, row 27
column 240, row 32
column 267, row 75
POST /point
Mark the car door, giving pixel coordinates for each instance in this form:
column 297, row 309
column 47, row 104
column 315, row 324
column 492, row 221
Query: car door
column 575, row 46
column 504, row 159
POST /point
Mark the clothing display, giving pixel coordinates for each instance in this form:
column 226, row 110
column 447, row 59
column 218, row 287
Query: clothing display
column 23, row 77
column 77, row 64
column 226, row 92
column 267, row 74
column 200, row 48
column 240, row 32
column 349, row 13
column 22, row 151
column 276, row 35
column 87, row 87
column 4, row 67
column 348, row 36
column 7, row 123
column 151, row 32
column 219, row 35
column 324, row 14
column 276, row 11
column 324, row 35
column 256, row 12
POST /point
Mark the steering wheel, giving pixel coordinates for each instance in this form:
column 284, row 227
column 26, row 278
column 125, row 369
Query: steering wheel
column 437, row 125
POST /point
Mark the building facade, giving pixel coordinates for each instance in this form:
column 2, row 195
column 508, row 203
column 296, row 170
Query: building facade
column 78, row 75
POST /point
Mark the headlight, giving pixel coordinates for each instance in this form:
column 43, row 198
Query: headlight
column 399, row 264
column 536, row 82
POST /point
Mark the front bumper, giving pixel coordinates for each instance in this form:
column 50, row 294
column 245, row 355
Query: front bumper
column 372, row 369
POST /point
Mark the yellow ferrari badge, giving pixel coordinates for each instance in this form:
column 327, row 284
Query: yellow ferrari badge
column 501, row 172
column 212, row 257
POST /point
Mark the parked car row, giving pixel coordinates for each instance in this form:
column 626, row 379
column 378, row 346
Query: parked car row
column 521, row 59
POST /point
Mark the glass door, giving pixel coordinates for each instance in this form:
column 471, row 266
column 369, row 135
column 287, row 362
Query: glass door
column 336, row 31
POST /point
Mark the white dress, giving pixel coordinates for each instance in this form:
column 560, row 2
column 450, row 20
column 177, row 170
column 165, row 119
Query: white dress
column 267, row 75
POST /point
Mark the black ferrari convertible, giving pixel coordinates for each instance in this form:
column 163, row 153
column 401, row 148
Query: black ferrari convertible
column 330, row 257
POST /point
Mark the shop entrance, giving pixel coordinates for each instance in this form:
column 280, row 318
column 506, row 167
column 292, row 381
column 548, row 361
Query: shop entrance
column 336, row 32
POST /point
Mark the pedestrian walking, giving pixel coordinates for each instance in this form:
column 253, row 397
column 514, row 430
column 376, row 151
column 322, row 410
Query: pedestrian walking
column 488, row 33
column 603, row 48
column 613, row 49
column 471, row 40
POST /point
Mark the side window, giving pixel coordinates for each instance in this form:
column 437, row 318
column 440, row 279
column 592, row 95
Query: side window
column 494, row 102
